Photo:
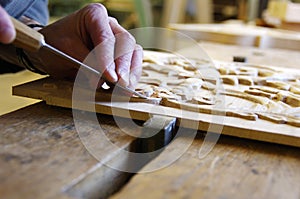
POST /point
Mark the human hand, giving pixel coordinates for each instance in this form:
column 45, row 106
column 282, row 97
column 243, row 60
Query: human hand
column 119, row 58
column 7, row 31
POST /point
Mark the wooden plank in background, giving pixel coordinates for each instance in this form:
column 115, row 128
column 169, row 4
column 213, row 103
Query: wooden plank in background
column 282, row 58
column 240, row 34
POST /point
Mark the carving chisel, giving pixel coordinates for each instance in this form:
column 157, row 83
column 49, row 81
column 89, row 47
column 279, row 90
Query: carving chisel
column 31, row 40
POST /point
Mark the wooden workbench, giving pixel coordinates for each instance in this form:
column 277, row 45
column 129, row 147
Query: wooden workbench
column 41, row 156
column 235, row 168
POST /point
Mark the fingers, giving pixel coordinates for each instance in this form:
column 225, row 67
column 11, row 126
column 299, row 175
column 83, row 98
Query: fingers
column 7, row 30
column 118, row 57
column 136, row 66
column 97, row 25
column 124, row 50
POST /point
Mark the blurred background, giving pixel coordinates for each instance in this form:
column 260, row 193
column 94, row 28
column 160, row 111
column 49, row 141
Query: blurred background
column 139, row 13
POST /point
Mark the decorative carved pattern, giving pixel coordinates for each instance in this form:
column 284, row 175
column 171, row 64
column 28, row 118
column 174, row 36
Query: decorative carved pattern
column 238, row 90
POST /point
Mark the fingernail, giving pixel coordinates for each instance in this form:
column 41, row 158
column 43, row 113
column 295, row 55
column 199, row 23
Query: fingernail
column 110, row 74
column 113, row 76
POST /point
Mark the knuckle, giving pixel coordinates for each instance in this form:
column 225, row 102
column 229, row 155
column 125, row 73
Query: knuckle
column 113, row 20
column 125, row 58
column 107, row 37
column 129, row 37
column 138, row 47
column 96, row 8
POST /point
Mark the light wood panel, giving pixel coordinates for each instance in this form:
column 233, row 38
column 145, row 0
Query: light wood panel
column 59, row 93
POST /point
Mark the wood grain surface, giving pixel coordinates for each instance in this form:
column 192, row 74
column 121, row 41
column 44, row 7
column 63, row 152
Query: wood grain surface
column 235, row 168
column 41, row 155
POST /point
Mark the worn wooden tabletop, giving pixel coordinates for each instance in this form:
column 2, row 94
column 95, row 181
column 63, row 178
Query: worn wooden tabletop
column 42, row 156
column 235, row 168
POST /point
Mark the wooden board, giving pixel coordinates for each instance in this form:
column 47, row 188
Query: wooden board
column 42, row 156
column 235, row 168
column 273, row 117
column 240, row 34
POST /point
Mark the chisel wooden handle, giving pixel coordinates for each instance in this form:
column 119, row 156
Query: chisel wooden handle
column 26, row 37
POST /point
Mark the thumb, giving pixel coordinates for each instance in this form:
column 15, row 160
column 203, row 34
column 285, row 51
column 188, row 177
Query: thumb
column 7, row 30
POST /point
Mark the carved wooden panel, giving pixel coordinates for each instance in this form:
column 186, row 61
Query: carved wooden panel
column 249, row 101
column 240, row 90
